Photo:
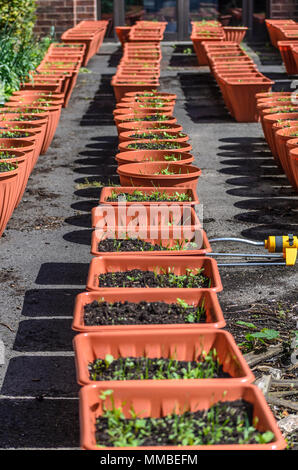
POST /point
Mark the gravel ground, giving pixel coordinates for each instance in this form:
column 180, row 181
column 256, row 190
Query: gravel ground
column 45, row 249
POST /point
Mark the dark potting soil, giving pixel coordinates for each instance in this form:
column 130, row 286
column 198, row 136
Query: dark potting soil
column 27, row 118
column 158, row 136
column 138, row 278
column 13, row 135
column 142, row 313
column 4, row 167
column 223, row 423
column 158, row 368
column 154, row 146
column 152, row 117
column 157, row 196
column 114, row 244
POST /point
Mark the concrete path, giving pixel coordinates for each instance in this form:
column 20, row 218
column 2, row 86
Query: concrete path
column 45, row 251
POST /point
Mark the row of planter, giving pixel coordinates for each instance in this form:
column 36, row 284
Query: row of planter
column 152, row 350
column 238, row 78
column 213, row 31
column 30, row 118
column 147, row 31
column 89, row 33
column 279, row 118
column 282, row 30
column 284, row 35
column 142, row 31
column 139, row 68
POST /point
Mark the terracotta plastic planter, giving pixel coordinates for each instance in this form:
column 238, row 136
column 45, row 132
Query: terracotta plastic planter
column 214, row 315
column 20, row 145
column 184, row 345
column 34, row 136
column 235, row 33
column 127, row 118
column 54, row 113
column 203, row 246
column 54, row 97
column 273, row 27
column 8, row 195
column 161, row 97
column 32, row 99
column 120, row 89
column 58, row 48
column 144, row 174
column 135, row 109
column 122, row 33
column 293, row 165
column 170, row 96
column 144, row 125
column 282, row 101
column 261, row 96
column 184, row 147
column 178, row 136
column 141, row 156
column 48, row 85
column 9, row 114
column 70, row 77
column 288, row 57
column 39, row 133
column 23, row 164
column 126, row 107
column 68, row 81
column 242, row 97
column 142, row 103
column 160, row 399
column 106, row 192
column 178, row 265
column 268, row 122
column 281, row 138
column 295, row 53
column 199, row 48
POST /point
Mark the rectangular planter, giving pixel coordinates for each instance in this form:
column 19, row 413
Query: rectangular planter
column 242, row 97
column 161, row 399
column 287, row 56
column 200, row 238
column 214, row 315
column 120, row 90
column 106, row 192
column 178, row 265
column 182, row 345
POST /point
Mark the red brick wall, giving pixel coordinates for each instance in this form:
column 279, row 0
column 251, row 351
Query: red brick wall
column 284, row 9
column 62, row 14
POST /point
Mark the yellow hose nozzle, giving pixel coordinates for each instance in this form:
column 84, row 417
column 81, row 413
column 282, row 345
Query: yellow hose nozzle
column 286, row 244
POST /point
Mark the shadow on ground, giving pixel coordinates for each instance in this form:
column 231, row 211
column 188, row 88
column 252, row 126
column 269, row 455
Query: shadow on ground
column 203, row 99
column 269, row 203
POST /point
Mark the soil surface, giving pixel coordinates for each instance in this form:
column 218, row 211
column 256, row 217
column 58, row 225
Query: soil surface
column 200, row 424
column 45, row 250
column 114, row 244
column 144, row 368
column 138, row 196
column 154, row 146
column 139, row 278
column 129, row 313
column 158, row 136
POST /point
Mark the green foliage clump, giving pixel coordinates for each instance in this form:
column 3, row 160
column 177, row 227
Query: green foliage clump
column 18, row 16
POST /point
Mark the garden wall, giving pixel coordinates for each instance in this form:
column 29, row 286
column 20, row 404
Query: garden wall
column 63, row 14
